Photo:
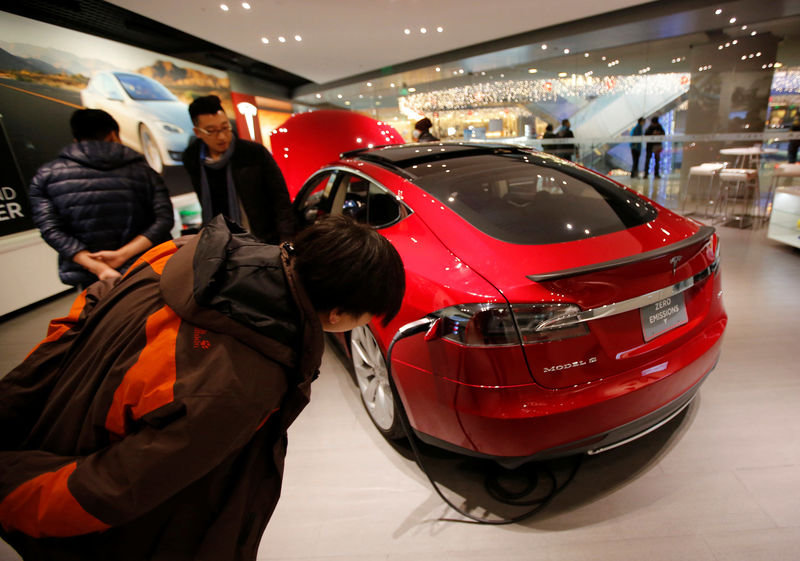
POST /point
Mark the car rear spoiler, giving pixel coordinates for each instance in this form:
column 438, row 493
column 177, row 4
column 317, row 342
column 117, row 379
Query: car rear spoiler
column 703, row 234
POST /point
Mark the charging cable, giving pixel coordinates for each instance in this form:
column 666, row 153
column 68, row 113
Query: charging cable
column 493, row 481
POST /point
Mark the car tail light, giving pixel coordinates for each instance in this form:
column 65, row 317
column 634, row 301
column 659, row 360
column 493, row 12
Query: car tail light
column 500, row 324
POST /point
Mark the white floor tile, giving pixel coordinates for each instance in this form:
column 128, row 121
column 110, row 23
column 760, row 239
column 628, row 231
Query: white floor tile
column 719, row 483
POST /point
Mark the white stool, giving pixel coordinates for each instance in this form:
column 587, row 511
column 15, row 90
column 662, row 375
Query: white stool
column 782, row 170
column 732, row 180
column 711, row 171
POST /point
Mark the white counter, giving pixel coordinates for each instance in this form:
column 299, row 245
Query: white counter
column 784, row 222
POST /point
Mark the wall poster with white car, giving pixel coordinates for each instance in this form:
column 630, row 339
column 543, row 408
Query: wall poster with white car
column 46, row 72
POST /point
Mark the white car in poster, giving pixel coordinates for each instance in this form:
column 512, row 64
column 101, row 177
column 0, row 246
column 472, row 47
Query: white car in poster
column 151, row 119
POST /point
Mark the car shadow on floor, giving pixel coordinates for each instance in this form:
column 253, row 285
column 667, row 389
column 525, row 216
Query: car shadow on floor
column 471, row 484
column 485, row 489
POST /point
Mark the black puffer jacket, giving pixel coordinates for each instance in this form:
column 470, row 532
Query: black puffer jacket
column 98, row 195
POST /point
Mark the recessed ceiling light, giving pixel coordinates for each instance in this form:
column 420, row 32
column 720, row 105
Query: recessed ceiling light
column 407, row 31
column 718, row 11
column 245, row 5
column 423, row 30
column 319, row 96
column 412, row 90
column 265, row 40
column 440, row 29
column 347, row 103
column 224, row 7
column 391, row 85
column 752, row 33
column 339, row 96
column 562, row 74
column 369, row 84
column 544, row 47
column 282, row 39
column 732, row 20
column 603, row 58
column 532, row 70
column 566, row 51
column 438, row 69
column 298, row 38
column 744, row 27
column 586, row 55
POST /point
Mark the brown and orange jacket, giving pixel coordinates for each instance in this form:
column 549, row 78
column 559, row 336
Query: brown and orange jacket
column 151, row 421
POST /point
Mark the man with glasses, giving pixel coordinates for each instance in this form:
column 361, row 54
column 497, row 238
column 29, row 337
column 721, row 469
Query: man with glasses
column 236, row 177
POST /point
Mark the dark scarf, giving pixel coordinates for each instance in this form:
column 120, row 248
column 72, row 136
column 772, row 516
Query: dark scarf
column 234, row 213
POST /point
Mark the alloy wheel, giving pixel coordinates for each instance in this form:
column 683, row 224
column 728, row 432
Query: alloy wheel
column 373, row 382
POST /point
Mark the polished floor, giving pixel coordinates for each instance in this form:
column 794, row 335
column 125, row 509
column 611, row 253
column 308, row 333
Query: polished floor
column 721, row 482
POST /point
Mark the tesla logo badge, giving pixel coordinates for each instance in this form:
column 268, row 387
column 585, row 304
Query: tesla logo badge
column 249, row 111
column 675, row 260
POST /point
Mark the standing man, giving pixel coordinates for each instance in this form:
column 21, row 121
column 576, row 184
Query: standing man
column 654, row 148
column 548, row 133
column 236, row 177
column 636, row 147
column 99, row 204
column 566, row 151
column 151, row 422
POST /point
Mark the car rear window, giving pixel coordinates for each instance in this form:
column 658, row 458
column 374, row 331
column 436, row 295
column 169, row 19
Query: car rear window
column 529, row 199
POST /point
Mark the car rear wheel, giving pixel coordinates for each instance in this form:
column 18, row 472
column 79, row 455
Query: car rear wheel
column 150, row 149
column 373, row 383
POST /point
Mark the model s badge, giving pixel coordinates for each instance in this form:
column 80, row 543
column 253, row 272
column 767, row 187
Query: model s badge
column 569, row 365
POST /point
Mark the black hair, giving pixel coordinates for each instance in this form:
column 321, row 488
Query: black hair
column 92, row 124
column 549, row 127
column 423, row 124
column 349, row 267
column 205, row 105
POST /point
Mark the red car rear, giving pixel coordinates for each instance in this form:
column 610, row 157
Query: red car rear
column 569, row 313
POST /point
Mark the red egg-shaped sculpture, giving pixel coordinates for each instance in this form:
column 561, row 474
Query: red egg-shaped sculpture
column 307, row 141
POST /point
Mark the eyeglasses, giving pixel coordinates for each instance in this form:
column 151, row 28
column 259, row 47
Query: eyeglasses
column 214, row 132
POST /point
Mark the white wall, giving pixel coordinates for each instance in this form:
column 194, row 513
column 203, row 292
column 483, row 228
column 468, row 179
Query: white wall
column 28, row 271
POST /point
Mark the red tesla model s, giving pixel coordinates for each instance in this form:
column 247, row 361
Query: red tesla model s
column 567, row 312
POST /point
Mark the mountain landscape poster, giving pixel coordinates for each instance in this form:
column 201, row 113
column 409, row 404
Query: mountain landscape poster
column 46, row 72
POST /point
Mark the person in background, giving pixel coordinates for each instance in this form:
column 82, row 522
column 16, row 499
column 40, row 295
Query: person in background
column 151, row 422
column 422, row 131
column 566, row 151
column 235, row 177
column 636, row 147
column 548, row 133
column 99, row 204
column 794, row 144
column 654, row 148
